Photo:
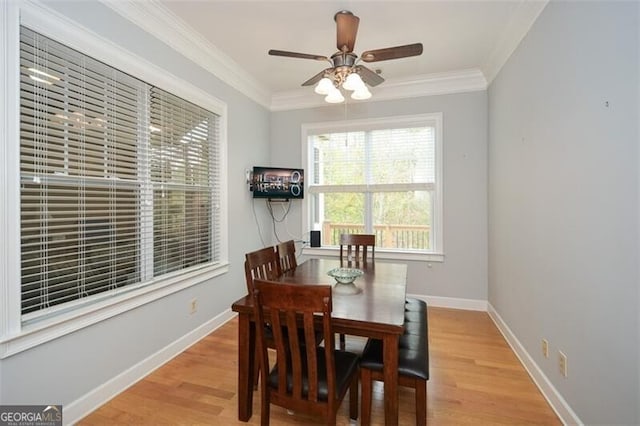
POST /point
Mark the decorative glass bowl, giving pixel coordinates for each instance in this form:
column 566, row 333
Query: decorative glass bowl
column 345, row 275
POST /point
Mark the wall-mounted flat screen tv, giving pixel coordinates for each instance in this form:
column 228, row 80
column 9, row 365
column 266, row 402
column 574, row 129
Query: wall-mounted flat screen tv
column 277, row 183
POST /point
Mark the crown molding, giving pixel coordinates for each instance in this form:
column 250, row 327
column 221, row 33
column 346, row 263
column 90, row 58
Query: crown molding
column 163, row 24
column 422, row 85
column 524, row 16
column 160, row 22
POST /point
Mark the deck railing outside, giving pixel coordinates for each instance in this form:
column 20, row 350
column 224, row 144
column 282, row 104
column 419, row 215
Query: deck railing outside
column 415, row 237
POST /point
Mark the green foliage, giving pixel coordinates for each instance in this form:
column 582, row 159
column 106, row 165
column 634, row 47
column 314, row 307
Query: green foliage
column 395, row 156
column 344, row 207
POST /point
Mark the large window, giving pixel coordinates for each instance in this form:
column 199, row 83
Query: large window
column 378, row 176
column 118, row 178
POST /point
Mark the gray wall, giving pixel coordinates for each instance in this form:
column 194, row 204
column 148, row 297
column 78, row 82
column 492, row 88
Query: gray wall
column 563, row 202
column 65, row 369
column 463, row 274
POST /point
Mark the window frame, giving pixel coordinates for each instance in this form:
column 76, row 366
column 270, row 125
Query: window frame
column 16, row 335
column 417, row 120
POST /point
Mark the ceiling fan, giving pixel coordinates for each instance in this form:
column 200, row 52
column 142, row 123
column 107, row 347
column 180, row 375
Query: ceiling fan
column 345, row 71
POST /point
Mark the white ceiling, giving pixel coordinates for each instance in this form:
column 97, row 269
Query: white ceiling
column 475, row 35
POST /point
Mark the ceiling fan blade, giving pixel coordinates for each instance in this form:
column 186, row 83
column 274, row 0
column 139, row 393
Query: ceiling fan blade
column 392, row 53
column 316, row 78
column 347, row 28
column 368, row 76
column 273, row 52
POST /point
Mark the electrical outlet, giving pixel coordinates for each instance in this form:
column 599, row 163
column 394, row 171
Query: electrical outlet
column 193, row 307
column 545, row 348
column 563, row 364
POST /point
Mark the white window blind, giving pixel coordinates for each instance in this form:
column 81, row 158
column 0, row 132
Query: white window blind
column 181, row 156
column 377, row 160
column 380, row 179
column 117, row 178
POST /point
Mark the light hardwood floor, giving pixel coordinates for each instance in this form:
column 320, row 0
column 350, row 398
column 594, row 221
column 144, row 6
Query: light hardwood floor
column 475, row 380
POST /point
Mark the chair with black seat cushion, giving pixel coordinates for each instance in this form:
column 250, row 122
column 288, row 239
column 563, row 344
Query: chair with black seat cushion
column 286, row 252
column 413, row 361
column 263, row 264
column 308, row 378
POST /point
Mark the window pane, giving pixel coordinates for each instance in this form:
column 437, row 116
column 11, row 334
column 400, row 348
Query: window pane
column 79, row 117
column 181, row 229
column 340, row 158
column 402, row 220
column 73, row 246
column 183, row 146
column 402, row 156
column 339, row 213
column 180, row 140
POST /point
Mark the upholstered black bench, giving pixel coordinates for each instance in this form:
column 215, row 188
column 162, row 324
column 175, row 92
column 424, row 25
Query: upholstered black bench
column 413, row 361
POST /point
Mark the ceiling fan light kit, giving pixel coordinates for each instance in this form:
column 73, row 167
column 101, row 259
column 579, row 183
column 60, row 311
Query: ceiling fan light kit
column 361, row 94
column 324, row 86
column 353, row 82
column 334, row 97
column 345, row 72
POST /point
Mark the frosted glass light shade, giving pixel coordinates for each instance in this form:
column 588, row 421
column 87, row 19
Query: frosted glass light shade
column 353, row 82
column 324, row 86
column 334, row 97
column 361, row 94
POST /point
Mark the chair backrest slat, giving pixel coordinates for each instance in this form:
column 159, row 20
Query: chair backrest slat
column 294, row 351
column 354, row 247
column 310, row 337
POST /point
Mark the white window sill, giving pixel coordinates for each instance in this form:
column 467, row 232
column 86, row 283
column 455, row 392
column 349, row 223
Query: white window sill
column 381, row 254
column 44, row 330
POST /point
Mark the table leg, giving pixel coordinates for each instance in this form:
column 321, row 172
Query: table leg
column 390, row 371
column 246, row 359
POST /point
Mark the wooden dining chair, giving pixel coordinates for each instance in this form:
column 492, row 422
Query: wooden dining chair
column 264, row 264
column 261, row 263
column 308, row 378
column 286, row 252
column 353, row 249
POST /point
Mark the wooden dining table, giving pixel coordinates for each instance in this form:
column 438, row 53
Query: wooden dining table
column 376, row 310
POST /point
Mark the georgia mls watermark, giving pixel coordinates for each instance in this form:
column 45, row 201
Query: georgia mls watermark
column 30, row 415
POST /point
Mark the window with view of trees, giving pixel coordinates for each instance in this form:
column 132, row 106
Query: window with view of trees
column 377, row 176
column 118, row 178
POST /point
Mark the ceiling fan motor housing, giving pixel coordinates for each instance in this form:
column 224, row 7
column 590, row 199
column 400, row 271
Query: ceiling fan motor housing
column 342, row 66
column 340, row 59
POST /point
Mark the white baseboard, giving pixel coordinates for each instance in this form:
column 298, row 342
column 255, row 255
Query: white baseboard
column 452, row 302
column 557, row 402
column 83, row 406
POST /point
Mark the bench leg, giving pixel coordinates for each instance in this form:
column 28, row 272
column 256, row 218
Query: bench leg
column 366, row 382
column 421, row 402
